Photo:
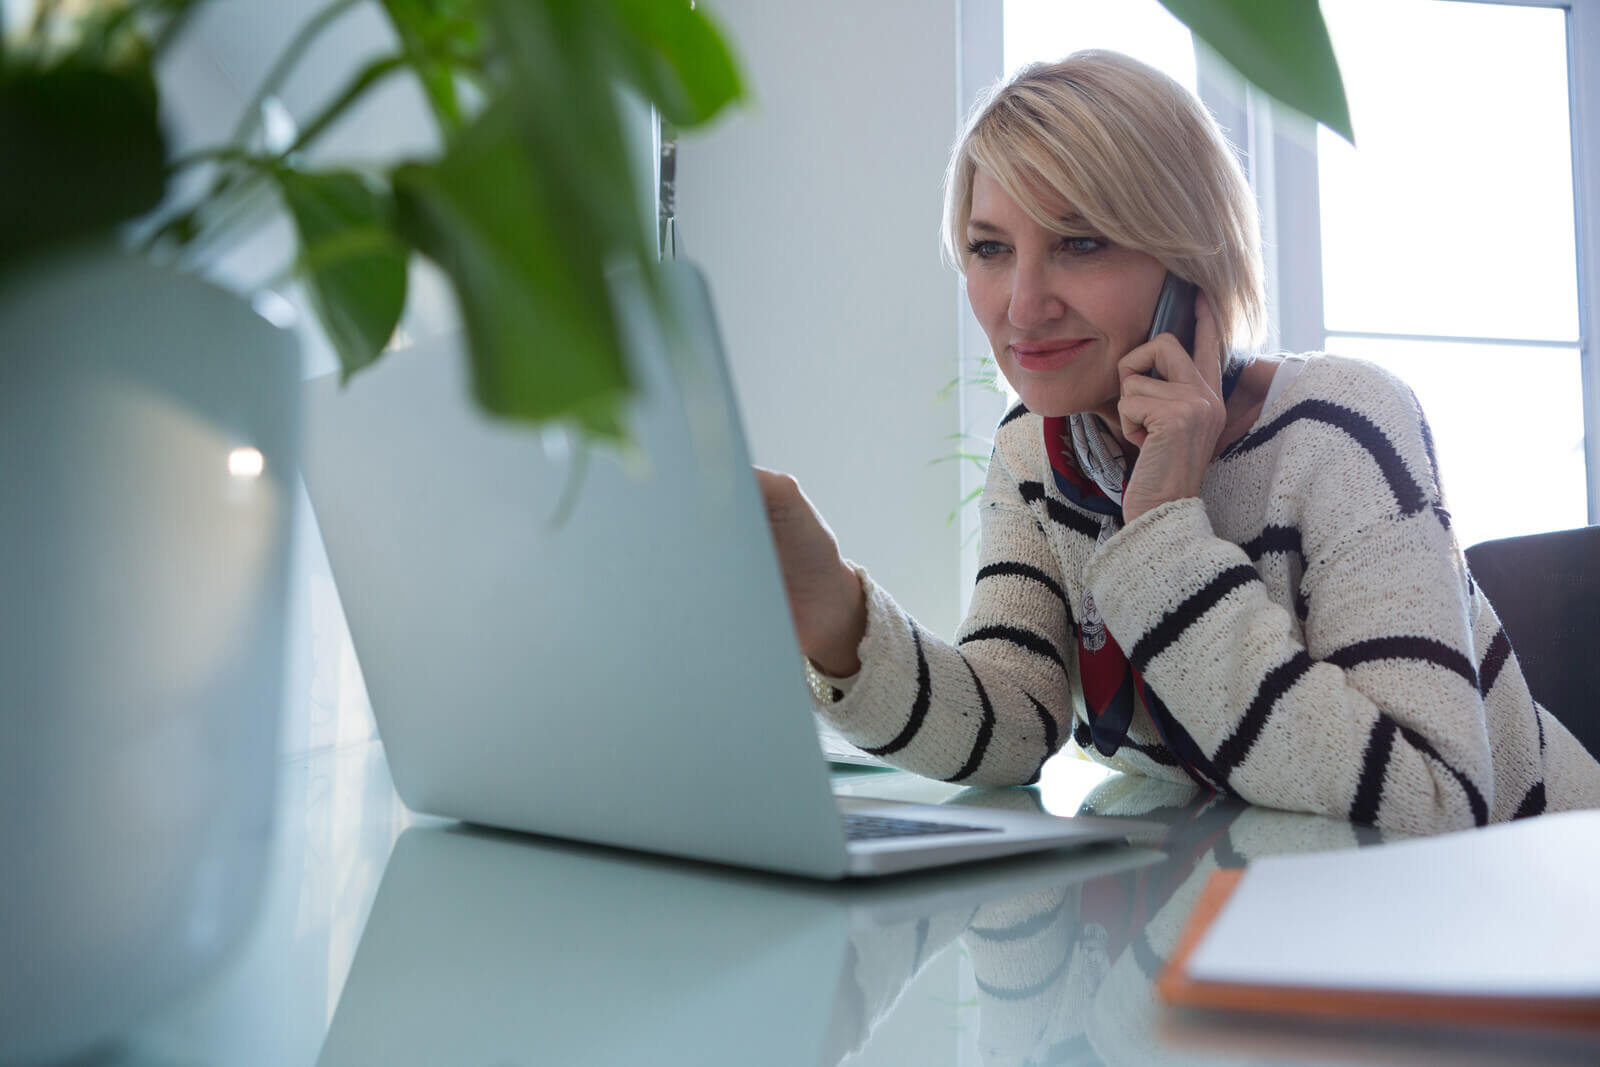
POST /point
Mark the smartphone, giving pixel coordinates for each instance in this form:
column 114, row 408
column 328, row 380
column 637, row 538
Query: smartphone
column 1175, row 311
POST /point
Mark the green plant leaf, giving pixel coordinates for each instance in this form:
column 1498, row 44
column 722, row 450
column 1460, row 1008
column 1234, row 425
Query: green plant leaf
column 1281, row 46
column 527, row 262
column 562, row 102
column 436, row 36
column 355, row 271
column 673, row 54
column 82, row 151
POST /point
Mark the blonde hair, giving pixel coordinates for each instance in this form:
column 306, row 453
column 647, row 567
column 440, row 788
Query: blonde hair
column 1137, row 157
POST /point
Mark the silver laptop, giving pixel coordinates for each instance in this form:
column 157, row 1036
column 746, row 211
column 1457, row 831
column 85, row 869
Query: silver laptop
column 596, row 645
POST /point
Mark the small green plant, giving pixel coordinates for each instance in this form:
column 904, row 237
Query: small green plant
column 531, row 200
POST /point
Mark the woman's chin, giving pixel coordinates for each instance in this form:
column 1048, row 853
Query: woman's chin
column 1048, row 405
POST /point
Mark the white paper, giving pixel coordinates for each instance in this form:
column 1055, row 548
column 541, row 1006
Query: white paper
column 1509, row 910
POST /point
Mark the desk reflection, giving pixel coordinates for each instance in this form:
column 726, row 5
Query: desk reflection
column 500, row 949
column 491, row 948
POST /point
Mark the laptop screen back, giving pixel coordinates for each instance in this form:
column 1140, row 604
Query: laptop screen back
column 619, row 669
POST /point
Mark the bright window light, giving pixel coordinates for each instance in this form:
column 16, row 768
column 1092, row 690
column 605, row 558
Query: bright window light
column 246, row 463
column 1454, row 216
column 1047, row 30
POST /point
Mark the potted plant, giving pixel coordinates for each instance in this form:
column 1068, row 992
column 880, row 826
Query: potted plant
column 148, row 422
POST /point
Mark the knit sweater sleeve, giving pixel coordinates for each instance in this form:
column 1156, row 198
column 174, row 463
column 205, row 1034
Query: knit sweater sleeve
column 989, row 709
column 1362, row 702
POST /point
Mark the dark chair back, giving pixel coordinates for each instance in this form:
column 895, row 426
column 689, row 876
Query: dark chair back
column 1546, row 589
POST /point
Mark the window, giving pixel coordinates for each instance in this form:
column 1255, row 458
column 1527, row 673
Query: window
column 1450, row 246
column 1449, row 249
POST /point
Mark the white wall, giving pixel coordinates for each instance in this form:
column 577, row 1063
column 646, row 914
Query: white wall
column 815, row 212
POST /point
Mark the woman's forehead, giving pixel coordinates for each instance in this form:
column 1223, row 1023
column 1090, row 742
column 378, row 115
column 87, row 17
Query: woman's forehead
column 1035, row 198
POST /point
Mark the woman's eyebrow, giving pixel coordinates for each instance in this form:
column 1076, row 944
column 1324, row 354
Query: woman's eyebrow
column 983, row 227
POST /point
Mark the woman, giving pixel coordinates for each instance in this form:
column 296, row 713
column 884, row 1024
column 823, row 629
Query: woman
column 1234, row 571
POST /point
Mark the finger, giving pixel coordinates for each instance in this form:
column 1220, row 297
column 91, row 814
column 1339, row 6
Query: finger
column 1156, row 388
column 1162, row 354
column 776, row 483
column 1207, row 343
column 1133, row 412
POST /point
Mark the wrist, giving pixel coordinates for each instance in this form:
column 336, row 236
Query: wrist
column 836, row 652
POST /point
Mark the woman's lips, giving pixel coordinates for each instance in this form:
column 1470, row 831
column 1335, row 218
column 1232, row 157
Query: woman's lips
column 1047, row 355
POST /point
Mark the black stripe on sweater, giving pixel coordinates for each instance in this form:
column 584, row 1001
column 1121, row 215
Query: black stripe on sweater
column 1380, row 747
column 1023, row 570
column 1532, row 804
column 1480, row 810
column 980, row 746
column 1060, row 513
column 1190, row 756
column 919, row 707
column 1013, row 415
column 1025, row 639
column 1048, row 722
column 1186, row 614
column 1028, row 992
column 1275, row 539
column 1236, row 749
column 1406, row 647
column 1157, row 754
column 1407, row 493
column 1493, row 661
column 1374, row 763
column 1081, row 735
column 1031, row 926
column 1427, row 447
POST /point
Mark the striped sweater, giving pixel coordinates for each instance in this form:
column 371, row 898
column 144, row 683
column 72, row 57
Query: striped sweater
column 1308, row 622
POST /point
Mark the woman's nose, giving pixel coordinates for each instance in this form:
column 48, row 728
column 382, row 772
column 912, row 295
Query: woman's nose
column 1036, row 296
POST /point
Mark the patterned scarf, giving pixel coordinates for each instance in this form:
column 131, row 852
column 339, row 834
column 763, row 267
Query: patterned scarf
column 1091, row 471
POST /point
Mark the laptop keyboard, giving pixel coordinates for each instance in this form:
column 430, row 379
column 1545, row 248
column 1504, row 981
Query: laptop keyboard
column 859, row 827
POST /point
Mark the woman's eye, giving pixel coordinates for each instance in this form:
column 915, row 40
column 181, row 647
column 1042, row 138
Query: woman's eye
column 1080, row 246
column 985, row 249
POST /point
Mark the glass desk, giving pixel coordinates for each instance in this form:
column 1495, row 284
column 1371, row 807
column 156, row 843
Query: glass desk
column 390, row 939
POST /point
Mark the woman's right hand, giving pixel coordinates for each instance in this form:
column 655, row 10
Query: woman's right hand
column 825, row 596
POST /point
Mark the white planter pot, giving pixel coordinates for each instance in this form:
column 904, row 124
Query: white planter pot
column 148, row 436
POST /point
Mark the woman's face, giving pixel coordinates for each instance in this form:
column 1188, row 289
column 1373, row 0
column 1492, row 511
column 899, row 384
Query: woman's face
column 1059, row 311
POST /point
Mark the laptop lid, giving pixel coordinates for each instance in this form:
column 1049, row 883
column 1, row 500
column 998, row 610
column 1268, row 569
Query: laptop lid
column 613, row 668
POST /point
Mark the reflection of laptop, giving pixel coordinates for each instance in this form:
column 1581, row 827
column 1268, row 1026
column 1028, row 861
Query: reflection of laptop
column 483, row 950
column 620, row 668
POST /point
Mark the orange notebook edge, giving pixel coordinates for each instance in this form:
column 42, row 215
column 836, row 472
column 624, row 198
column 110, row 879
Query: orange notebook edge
column 1177, row 987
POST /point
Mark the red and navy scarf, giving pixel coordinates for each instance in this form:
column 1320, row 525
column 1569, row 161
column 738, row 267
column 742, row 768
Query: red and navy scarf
column 1110, row 682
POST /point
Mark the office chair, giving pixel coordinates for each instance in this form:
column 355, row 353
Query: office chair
column 1546, row 589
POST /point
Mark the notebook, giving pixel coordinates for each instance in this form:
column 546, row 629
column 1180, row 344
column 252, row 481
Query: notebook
column 595, row 644
column 1495, row 926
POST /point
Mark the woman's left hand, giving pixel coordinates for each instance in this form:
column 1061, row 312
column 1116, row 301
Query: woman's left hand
column 1175, row 421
